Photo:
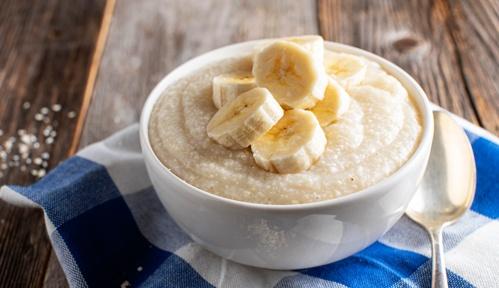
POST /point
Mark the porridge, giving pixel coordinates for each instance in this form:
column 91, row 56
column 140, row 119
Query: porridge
column 234, row 129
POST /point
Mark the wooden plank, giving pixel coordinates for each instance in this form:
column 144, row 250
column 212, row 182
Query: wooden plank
column 413, row 34
column 46, row 47
column 474, row 27
column 54, row 276
column 148, row 39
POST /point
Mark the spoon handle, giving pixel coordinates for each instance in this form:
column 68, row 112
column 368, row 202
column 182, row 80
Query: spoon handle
column 439, row 273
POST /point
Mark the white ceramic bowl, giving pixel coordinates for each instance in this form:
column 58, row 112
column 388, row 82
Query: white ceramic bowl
column 287, row 236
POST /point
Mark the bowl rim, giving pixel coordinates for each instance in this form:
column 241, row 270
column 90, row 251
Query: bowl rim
column 420, row 98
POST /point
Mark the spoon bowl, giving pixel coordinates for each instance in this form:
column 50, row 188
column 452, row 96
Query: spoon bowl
column 447, row 189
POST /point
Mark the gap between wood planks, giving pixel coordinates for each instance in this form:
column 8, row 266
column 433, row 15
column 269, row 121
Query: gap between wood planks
column 92, row 74
column 46, row 54
column 52, row 265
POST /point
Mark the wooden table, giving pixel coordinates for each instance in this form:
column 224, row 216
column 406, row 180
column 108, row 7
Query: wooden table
column 55, row 52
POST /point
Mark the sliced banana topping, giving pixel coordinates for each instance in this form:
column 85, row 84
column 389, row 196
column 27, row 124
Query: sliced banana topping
column 292, row 145
column 241, row 121
column 228, row 86
column 312, row 43
column 297, row 73
column 348, row 70
column 335, row 103
column 292, row 74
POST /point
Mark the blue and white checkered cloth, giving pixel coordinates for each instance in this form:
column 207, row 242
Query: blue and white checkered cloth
column 109, row 229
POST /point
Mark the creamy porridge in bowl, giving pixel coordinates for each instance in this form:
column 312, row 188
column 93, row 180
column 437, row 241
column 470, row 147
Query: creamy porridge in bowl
column 237, row 159
column 378, row 131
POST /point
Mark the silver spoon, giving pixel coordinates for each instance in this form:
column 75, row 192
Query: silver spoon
column 447, row 188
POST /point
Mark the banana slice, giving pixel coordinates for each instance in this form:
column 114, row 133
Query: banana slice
column 335, row 103
column 378, row 78
column 312, row 43
column 347, row 69
column 228, row 86
column 292, row 145
column 245, row 118
column 292, row 74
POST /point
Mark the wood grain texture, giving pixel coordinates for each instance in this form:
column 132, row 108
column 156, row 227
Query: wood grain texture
column 474, row 26
column 414, row 34
column 54, row 275
column 149, row 38
column 46, row 47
